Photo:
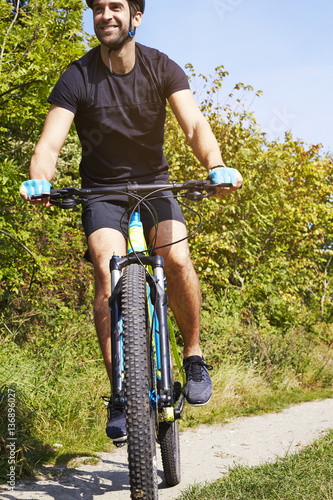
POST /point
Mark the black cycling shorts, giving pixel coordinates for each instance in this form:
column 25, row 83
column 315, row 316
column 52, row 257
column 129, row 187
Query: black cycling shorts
column 115, row 214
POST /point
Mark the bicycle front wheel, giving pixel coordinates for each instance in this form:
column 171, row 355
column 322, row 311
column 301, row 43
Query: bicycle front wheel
column 140, row 414
column 170, row 451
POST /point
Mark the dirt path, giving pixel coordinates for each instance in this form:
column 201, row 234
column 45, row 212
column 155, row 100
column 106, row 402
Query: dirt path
column 206, row 454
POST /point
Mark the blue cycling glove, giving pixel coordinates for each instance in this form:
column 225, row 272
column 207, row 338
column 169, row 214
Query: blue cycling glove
column 35, row 186
column 223, row 175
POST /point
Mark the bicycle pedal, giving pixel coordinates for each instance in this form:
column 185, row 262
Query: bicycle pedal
column 179, row 406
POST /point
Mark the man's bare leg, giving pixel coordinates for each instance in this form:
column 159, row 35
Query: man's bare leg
column 185, row 301
column 183, row 284
column 102, row 244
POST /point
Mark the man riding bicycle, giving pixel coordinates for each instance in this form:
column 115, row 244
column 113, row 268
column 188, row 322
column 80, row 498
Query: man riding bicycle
column 116, row 94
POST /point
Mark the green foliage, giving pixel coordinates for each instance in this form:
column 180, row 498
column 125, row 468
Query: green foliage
column 298, row 356
column 269, row 246
column 37, row 41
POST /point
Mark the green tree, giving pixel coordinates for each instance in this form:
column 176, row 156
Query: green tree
column 269, row 246
column 38, row 40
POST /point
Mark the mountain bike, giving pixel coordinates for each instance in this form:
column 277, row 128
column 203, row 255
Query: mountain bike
column 141, row 335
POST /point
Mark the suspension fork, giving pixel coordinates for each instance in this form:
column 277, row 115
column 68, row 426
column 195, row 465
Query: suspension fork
column 161, row 302
column 116, row 334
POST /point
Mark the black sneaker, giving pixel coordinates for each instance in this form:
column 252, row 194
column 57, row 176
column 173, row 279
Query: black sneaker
column 116, row 426
column 198, row 388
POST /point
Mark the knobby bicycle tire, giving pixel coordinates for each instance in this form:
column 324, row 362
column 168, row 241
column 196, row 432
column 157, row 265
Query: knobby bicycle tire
column 168, row 438
column 170, row 451
column 140, row 415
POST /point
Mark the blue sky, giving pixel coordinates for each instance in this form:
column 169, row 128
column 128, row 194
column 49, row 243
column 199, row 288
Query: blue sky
column 284, row 48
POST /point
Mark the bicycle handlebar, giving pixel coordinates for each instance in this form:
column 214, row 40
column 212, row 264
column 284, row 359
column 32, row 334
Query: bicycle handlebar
column 70, row 197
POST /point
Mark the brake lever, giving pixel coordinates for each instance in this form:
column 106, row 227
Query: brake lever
column 69, row 202
column 201, row 186
column 61, row 198
column 194, row 195
column 213, row 189
column 54, row 193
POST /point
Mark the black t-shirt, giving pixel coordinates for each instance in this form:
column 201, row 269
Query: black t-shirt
column 120, row 118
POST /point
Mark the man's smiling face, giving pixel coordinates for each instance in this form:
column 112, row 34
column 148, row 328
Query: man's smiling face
column 111, row 21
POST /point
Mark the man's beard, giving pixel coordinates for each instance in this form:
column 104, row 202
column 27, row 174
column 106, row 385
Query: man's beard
column 114, row 43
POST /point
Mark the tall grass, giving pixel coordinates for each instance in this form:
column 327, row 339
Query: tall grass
column 257, row 367
column 240, row 391
column 59, row 411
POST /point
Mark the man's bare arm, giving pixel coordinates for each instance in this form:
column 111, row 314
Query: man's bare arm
column 198, row 132
column 56, row 127
column 44, row 159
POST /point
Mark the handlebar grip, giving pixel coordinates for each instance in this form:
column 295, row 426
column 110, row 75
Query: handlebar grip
column 39, row 196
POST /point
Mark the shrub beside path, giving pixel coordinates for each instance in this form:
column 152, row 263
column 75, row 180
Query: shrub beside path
column 206, row 454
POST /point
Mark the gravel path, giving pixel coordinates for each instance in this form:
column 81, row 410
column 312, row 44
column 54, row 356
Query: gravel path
column 206, row 454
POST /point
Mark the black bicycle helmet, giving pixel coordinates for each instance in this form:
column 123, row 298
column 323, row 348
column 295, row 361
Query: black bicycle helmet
column 141, row 4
